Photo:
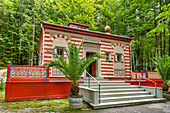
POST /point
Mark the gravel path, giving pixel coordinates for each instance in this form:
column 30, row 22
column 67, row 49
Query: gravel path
column 146, row 108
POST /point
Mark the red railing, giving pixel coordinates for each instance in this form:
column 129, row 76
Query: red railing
column 144, row 76
column 27, row 73
column 147, row 74
column 33, row 82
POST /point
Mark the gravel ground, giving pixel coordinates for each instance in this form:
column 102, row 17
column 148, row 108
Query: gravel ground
column 147, row 108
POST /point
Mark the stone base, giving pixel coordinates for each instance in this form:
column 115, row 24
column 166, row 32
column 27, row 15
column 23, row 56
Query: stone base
column 166, row 94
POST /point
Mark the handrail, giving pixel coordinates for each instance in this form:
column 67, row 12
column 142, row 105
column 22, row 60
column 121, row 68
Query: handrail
column 148, row 80
column 95, row 80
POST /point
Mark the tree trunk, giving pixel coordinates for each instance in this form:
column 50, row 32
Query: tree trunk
column 33, row 23
column 164, row 43
column 20, row 44
column 32, row 55
column 150, row 60
column 156, row 42
column 160, row 45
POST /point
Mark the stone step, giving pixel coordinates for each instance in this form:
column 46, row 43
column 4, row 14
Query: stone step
column 127, row 103
column 121, row 90
column 95, row 81
column 125, row 98
column 97, row 78
column 104, row 81
column 113, row 87
column 123, row 94
column 105, row 84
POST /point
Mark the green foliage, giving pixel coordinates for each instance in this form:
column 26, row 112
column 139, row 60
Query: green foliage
column 163, row 67
column 2, row 83
column 2, row 96
column 75, row 66
column 146, row 21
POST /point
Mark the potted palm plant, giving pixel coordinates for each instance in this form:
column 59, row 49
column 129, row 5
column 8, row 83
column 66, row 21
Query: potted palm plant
column 72, row 68
column 163, row 68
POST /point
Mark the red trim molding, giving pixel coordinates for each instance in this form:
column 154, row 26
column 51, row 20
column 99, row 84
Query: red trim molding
column 84, row 32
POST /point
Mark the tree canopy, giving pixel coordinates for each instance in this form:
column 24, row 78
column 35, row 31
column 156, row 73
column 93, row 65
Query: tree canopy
column 146, row 21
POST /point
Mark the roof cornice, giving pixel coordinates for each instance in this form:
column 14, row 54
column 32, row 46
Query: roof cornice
column 84, row 32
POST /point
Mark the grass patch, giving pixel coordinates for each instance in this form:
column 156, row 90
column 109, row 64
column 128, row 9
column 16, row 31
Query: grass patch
column 47, row 105
column 69, row 109
column 55, row 105
column 33, row 104
column 2, row 95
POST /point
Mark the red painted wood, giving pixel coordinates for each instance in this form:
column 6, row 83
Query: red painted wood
column 8, row 71
column 146, row 83
column 36, row 90
column 94, row 69
column 48, row 74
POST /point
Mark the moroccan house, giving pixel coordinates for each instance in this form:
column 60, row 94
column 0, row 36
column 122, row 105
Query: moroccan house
column 57, row 37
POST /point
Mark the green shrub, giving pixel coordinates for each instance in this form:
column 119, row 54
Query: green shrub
column 2, row 85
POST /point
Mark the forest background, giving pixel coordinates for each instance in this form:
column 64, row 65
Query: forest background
column 146, row 21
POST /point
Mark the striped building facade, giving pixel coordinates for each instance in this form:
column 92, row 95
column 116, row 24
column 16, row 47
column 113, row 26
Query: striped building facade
column 56, row 37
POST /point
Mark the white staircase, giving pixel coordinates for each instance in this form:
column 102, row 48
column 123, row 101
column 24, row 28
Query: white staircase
column 119, row 93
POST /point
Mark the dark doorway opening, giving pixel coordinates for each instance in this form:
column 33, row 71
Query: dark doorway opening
column 92, row 67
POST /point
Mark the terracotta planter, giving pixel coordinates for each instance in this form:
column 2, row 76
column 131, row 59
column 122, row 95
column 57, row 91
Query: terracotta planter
column 75, row 101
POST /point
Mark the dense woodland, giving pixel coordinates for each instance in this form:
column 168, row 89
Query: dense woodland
column 146, row 21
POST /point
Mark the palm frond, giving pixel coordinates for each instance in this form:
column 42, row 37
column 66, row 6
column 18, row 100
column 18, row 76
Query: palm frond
column 74, row 66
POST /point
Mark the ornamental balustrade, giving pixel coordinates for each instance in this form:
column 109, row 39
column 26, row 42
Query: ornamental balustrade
column 27, row 73
column 146, row 74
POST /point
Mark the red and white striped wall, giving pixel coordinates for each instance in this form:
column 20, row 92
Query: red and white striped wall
column 106, row 66
column 77, row 41
column 127, row 61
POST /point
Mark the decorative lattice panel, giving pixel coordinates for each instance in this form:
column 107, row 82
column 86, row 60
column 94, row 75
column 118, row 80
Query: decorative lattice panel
column 25, row 72
column 119, row 73
column 56, row 72
column 151, row 74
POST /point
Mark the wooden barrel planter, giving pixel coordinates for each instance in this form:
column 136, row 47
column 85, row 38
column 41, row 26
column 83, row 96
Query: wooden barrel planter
column 75, row 101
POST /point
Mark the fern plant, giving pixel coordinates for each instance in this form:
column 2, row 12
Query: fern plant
column 74, row 66
column 163, row 68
